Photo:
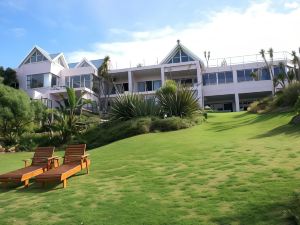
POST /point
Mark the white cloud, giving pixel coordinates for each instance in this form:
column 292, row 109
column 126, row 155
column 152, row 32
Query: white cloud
column 291, row 5
column 229, row 32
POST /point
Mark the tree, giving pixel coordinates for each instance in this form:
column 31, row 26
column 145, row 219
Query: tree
column 296, row 63
column 16, row 114
column 67, row 116
column 10, row 78
column 269, row 65
column 104, row 85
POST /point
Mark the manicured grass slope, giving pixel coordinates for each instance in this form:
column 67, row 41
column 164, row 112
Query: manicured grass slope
column 237, row 168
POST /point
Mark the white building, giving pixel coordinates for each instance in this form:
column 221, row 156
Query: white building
column 223, row 84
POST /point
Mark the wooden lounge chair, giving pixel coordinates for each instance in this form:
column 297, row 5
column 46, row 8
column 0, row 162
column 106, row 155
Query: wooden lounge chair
column 42, row 161
column 75, row 160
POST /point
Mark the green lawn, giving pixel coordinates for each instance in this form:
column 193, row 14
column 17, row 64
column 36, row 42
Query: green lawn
column 237, row 168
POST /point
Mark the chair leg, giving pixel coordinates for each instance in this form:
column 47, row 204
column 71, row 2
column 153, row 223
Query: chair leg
column 26, row 183
column 65, row 183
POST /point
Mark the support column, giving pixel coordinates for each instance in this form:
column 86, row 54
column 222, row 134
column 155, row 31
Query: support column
column 130, row 86
column 162, row 75
column 237, row 102
column 199, row 86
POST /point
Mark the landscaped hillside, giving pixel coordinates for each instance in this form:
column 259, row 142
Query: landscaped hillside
column 237, row 168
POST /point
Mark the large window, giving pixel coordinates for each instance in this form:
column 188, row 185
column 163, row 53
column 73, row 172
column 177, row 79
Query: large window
column 209, row 79
column 36, row 57
column 244, row 75
column 120, row 87
column 225, row 77
column 84, row 80
column 149, row 85
column 35, row 81
column 181, row 56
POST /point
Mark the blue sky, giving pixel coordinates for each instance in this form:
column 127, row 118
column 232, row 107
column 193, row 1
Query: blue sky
column 94, row 28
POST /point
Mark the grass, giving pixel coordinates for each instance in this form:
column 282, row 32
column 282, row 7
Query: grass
column 237, row 168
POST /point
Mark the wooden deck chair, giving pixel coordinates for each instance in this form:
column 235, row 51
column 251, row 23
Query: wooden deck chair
column 41, row 162
column 75, row 160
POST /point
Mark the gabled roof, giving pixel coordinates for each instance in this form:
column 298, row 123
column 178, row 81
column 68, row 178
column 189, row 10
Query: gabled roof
column 85, row 61
column 53, row 56
column 97, row 62
column 176, row 49
column 93, row 63
column 37, row 48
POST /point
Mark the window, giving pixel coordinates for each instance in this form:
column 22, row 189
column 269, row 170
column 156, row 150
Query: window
column 244, row 75
column 156, row 84
column 35, row 81
column 141, row 86
column 221, row 78
column 209, row 79
column 149, row 85
column 120, row 87
column 85, row 64
column 36, row 57
column 125, row 86
column 229, row 76
column 60, row 62
column 180, row 56
column 75, row 81
column 240, row 75
column 248, row 76
column 188, row 82
column 54, row 80
column 86, row 81
column 265, row 75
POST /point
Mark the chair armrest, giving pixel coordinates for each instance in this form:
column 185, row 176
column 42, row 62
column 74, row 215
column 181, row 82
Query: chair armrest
column 26, row 162
column 85, row 156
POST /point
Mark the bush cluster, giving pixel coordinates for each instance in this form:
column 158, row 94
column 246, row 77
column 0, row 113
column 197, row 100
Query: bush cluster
column 108, row 132
column 286, row 98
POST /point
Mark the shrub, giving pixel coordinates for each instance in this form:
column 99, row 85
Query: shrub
column 261, row 106
column 288, row 96
column 170, row 124
column 16, row 114
column 108, row 132
column 129, row 106
column 297, row 105
column 179, row 101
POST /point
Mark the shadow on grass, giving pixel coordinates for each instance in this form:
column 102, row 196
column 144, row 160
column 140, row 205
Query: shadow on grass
column 219, row 127
column 287, row 129
column 257, row 214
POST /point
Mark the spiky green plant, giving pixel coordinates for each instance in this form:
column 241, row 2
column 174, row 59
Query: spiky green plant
column 130, row 106
column 180, row 102
column 67, row 114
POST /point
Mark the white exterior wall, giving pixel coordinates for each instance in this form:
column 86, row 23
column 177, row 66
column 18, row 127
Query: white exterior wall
column 148, row 73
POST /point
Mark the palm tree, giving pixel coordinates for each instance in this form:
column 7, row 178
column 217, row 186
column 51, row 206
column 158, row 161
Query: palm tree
column 269, row 65
column 296, row 63
column 69, row 109
column 105, row 84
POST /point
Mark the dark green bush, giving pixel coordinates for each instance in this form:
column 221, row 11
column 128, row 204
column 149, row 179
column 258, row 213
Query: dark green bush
column 171, row 123
column 177, row 100
column 108, row 132
column 288, row 96
column 129, row 106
